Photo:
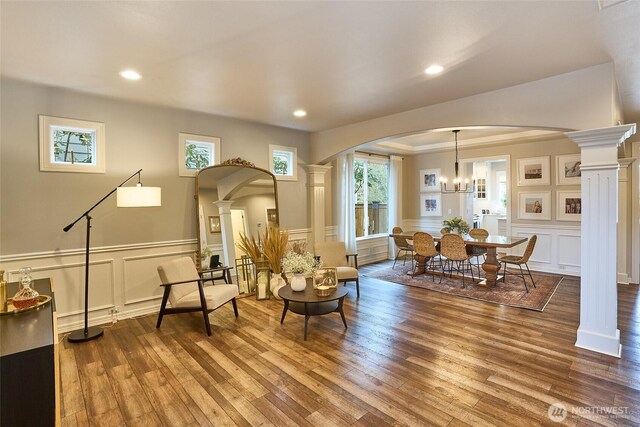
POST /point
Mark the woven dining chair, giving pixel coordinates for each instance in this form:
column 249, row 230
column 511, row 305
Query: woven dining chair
column 403, row 246
column 519, row 261
column 425, row 250
column 452, row 247
column 477, row 251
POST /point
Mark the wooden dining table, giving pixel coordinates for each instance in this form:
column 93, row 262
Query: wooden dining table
column 491, row 266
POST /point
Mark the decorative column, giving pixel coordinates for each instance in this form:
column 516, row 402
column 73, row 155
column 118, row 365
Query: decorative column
column 624, row 231
column 224, row 210
column 395, row 199
column 598, row 330
column 315, row 184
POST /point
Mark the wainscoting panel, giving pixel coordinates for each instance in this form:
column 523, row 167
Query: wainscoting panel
column 124, row 278
column 557, row 249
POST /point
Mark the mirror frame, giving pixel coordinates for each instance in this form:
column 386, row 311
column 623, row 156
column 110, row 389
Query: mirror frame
column 236, row 163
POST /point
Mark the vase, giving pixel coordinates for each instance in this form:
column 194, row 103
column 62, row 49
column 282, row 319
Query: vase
column 298, row 283
column 277, row 282
column 26, row 296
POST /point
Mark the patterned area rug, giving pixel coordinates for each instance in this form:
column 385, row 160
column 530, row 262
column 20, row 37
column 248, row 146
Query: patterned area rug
column 511, row 293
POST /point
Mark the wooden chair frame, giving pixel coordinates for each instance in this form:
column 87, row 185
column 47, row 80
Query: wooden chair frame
column 357, row 279
column 203, row 302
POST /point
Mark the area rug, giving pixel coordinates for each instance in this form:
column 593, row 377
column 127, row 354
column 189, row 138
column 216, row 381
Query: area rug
column 511, row 292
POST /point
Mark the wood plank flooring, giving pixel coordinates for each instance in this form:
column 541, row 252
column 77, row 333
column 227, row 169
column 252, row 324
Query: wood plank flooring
column 410, row 357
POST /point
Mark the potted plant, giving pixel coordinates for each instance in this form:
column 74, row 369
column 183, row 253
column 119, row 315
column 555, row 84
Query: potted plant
column 456, row 225
column 205, row 253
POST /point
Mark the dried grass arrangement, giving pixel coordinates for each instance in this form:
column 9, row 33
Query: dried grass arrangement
column 250, row 247
column 274, row 247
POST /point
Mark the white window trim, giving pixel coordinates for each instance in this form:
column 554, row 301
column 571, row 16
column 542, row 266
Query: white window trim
column 183, row 138
column 46, row 145
column 378, row 160
column 294, row 163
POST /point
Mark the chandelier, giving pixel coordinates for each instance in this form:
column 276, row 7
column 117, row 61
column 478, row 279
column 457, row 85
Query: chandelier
column 458, row 185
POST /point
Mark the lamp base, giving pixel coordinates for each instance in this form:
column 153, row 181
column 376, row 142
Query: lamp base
column 79, row 335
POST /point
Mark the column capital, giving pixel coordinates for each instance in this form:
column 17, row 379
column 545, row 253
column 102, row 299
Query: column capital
column 315, row 175
column 614, row 135
column 626, row 162
column 224, row 206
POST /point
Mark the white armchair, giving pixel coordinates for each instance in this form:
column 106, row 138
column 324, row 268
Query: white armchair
column 183, row 288
column 334, row 254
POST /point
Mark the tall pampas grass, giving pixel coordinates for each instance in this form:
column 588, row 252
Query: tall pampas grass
column 274, row 247
column 250, row 247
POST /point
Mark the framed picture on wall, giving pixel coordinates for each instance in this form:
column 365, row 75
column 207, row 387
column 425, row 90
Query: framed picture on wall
column 534, row 205
column 429, row 180
column 569, row 206
column 272, row 217
column 533, row 171
column 568, row 169
column 214, row 224
column 430, row 205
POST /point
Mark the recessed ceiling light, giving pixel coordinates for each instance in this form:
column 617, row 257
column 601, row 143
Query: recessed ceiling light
column 130, row 74
column 299, row 113
column 434, row 69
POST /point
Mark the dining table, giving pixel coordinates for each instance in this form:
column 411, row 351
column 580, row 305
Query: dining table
column 491, row 266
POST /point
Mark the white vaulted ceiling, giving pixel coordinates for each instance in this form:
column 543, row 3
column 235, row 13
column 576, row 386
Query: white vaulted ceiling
column 342, row 62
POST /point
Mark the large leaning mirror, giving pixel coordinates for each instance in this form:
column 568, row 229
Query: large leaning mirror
column 232, row 198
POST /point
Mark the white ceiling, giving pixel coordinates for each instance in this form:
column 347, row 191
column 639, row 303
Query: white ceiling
column 343, row 62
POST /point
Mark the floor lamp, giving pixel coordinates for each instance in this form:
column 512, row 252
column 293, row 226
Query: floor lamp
column 127, row 197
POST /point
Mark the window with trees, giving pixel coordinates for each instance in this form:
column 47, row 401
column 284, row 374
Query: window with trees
column 283, row 162
column 197, row 152
column 69, row 145
column 372, row 196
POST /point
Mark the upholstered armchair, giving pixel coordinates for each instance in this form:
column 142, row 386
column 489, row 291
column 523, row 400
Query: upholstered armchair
column 184, row 289
column 334, row 254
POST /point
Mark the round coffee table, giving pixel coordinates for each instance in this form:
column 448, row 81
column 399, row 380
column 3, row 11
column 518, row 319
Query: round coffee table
column 308, row 304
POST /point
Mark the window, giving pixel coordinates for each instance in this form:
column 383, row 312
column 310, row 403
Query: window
column 283, row 162
column 197, row 152
column 372, row 195
column 481, row 188
column 68, row 145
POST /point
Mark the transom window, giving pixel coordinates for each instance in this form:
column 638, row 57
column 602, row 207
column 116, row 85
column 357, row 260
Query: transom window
column 197, row 152
column 71, row 145
column 371, row 183
column 283, row 162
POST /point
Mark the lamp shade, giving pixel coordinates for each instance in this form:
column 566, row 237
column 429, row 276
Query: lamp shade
column 138, row 197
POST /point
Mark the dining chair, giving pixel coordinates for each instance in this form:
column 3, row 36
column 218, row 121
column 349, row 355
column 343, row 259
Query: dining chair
column 452, row 247
column 425, row 250
column 184, row 290
column 520, row 261
column 334, row 254
column 403, row 245
column 477, row 251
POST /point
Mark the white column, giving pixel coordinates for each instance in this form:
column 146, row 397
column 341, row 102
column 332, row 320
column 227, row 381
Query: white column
column 224, row 210
column 624, row 231
column 395, row 198
column 598, row 330
column 315, row 184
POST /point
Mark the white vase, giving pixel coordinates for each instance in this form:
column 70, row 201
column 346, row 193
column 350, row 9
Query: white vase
column 298, row 283
column 277, row 282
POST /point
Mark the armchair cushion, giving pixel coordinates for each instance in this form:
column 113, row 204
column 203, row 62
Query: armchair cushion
column 346, row 273
column 179, row 270
column 214, row 295
column 332, row 254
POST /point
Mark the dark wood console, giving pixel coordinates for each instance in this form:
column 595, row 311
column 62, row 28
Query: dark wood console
column 29, row 367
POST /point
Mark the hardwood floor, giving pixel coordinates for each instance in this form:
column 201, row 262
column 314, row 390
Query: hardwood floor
column 410, row 357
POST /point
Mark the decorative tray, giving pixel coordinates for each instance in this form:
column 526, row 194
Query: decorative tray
column 42, row 300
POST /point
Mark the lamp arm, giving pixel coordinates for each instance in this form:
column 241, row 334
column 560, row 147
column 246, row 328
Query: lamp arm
column 68, row 227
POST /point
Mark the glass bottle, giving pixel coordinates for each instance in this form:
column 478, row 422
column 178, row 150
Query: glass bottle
column 26, row 296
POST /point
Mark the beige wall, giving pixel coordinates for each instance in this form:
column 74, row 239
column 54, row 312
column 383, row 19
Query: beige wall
column 35, row 205
column 445, row 161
